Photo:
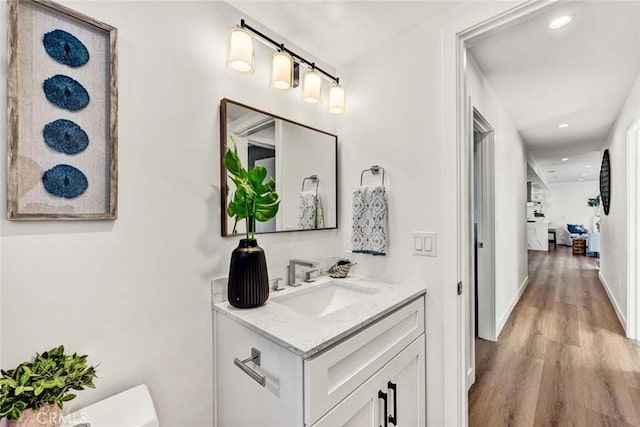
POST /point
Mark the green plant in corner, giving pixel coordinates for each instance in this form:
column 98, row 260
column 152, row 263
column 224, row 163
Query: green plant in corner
column 594, row 202
column 253, row 199
column 47, row 380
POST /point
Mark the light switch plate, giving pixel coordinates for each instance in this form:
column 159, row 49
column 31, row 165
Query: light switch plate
column 424, row 243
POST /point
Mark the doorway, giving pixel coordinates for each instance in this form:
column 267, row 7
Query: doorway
column 481, row 313
column 263, row 154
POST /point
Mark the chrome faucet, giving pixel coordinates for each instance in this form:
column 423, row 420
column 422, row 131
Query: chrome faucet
column 292, row 270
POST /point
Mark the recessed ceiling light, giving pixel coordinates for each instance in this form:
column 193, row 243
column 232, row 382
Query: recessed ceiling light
column 564, row 159
column 583, row 174
column 563, row 125
column 587, row 166
column 581, row 179
column 559, row 22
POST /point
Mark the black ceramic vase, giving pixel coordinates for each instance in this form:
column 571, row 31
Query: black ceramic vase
column 248, row 284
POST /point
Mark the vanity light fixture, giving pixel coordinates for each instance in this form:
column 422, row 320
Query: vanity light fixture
column 285, row 66
column 559, row 22
column 281, row 71
column 240, row 51
column 312, row 86
column 336, row 99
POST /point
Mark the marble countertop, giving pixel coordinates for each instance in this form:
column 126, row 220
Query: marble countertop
column 307, row 335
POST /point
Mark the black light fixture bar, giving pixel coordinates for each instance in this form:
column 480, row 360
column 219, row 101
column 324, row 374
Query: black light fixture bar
column 281, row 47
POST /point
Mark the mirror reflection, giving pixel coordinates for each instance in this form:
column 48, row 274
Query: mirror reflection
column 301, row 160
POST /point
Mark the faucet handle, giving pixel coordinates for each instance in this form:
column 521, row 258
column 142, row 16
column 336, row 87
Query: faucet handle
column 307, row 275
column 275, row 284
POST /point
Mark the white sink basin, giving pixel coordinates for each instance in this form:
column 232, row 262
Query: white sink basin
column 320, row 300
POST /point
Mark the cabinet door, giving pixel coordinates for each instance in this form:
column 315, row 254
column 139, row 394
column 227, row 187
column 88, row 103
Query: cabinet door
column 409, row 381
column 359, row 409
column 363, row 407
column 331, row 376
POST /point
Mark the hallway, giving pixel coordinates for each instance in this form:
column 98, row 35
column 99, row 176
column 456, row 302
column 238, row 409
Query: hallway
column 562, row 358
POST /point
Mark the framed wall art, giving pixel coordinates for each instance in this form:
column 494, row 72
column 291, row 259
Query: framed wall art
column 605, row 182
column 62, row 89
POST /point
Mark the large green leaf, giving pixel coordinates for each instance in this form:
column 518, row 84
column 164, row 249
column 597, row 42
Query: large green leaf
column 232, row 162
column 253, row 198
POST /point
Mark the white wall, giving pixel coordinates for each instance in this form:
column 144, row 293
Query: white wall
column 134, row 293
column 567, row 204
column 613, row 227
column 314, row 157
column 395, row 118
column 510, row 194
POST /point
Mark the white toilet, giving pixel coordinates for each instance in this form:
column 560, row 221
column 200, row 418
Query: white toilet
column 131, row 408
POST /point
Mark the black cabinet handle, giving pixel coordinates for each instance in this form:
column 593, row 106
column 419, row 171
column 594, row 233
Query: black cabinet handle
column 382, row 395
column 394, row 419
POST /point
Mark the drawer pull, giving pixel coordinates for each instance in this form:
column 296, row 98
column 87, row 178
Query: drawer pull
column 393, row 419
column 255, row 358
column 382, row 395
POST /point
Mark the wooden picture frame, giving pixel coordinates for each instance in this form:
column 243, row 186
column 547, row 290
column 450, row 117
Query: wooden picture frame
column 62, row 114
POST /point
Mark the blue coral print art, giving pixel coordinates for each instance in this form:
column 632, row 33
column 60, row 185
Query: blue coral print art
column 62, row 99
column 65, row 92
column 65, row 48
column 64, row 136
column 65, row 181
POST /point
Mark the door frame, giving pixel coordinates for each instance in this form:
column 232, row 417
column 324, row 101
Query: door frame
column 457, row 38
column 486, row 285
column 486, row 257
column 632, row 326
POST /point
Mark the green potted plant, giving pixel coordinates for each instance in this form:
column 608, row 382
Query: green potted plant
column 253, row 200
column 32, row 394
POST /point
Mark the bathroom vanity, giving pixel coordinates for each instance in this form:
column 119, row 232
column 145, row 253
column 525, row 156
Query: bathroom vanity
column 331, row 353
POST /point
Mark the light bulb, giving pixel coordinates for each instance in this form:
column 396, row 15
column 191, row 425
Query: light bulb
column 281, row 71
column 336, row 100
column 240, row 51
column 312, row 87
column 559, row 22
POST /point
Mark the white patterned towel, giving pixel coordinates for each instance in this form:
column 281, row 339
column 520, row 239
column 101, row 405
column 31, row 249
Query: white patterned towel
column 310, row 211
column 369, row 229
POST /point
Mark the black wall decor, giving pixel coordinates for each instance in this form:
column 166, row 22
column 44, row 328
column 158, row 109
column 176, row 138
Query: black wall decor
column 605, row 182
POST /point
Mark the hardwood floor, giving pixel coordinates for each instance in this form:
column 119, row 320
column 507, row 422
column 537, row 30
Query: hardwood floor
column 562, row 358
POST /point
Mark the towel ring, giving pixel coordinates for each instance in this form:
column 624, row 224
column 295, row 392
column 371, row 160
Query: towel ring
column 375, row 170
column 312, row 178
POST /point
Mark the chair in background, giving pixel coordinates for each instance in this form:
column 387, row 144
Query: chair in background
column 553, row 239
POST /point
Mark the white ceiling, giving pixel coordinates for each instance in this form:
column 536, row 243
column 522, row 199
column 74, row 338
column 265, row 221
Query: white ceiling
column 580, row 74
column 338, row 32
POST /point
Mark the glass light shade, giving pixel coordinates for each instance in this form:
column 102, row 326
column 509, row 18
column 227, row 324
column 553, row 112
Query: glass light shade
column 240, row 51
column 336, row 100
column 312, row 87
column 281, row 71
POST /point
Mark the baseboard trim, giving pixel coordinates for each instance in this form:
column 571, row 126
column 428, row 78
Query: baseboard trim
column 621, row 317
column 512, row 305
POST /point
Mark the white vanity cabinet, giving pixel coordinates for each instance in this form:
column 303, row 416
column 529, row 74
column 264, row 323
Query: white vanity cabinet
column 399, row 386
column 345, row 384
